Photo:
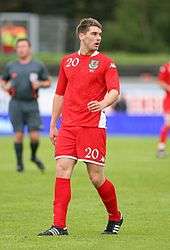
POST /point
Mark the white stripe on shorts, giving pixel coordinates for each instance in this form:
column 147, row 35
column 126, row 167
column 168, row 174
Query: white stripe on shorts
column 66, row 156
column 95, row 162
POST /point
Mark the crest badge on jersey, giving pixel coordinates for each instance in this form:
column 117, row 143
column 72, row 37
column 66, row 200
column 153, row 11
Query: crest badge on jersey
column 93, row 64
column 13, row 75
column 33, row 77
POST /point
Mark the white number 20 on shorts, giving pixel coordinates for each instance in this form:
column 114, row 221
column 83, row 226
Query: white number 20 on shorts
column 92, row 153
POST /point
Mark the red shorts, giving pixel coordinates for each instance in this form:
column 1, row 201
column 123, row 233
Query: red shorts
column 81, row 143
column 166, row 105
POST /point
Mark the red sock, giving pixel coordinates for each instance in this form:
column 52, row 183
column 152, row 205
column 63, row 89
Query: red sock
column 108, row 195
column 164, row 134
column 62, row 197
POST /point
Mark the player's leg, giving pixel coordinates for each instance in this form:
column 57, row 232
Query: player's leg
column 62, row 193
column 62, row 196
column 34, row 145
column 91, row 148
column 16, row 118
column 33, row 121
column 18, row 146
column 107, row 193
column 65, row 154
column 161, row 150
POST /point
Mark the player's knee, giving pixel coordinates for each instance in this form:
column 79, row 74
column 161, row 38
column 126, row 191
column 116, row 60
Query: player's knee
column 96, row 180
column 34, row 136
column 18, row 137
column 62, row 170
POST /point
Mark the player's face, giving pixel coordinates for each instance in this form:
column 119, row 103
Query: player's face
column 90, row 40
column 23, row 49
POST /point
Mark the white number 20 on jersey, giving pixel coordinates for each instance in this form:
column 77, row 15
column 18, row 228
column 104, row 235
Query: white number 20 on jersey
column 72, row 62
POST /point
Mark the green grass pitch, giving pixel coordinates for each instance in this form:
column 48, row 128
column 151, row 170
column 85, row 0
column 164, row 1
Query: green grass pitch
column 143, row 187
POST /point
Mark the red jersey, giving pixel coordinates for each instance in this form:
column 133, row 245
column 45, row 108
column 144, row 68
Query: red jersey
column 164, row 75
column 82, row 79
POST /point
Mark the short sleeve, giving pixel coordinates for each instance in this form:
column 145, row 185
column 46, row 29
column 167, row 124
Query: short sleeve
column 6, row 74
column 43, row 73
column 62, row 81
column 163, row 74
column 112, row 77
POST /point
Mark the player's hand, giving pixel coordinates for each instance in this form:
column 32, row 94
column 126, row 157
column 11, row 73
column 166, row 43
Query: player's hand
column 9, row 89
column 95, row 106
column 34, row 81
column 53, row 134
column 7, row 86
column 36, row 85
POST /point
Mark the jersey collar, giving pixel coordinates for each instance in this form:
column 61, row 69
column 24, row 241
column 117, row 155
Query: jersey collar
column 95, row 53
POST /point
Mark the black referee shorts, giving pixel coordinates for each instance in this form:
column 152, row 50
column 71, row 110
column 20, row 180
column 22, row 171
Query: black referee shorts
column 23, row 113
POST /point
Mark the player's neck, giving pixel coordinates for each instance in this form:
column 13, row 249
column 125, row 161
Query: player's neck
column 85, row 52
column 25, row 60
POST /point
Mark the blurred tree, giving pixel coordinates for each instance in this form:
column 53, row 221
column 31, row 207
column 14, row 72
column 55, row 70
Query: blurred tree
column 69, row 8
column 131, row 25
column 141, row 26
column 160, row 15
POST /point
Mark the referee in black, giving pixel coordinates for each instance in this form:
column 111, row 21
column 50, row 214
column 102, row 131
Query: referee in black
column 22, row 80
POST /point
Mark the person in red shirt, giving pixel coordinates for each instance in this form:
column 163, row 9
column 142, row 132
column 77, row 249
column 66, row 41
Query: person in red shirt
column 164, row 81
column 88, row 82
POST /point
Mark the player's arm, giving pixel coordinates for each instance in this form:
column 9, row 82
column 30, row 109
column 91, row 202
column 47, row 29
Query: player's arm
column 7, row 87
column 162, row 78
column 42, row 80
column 41, row 84
column 164, row 85
column 113, row 86
column 109, row 99
column 56, row 112
column 57, row 103
column 5, row 83
column 46, row 83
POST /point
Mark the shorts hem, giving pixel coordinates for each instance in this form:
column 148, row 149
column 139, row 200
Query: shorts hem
column 95, row 162
column 65, row 156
